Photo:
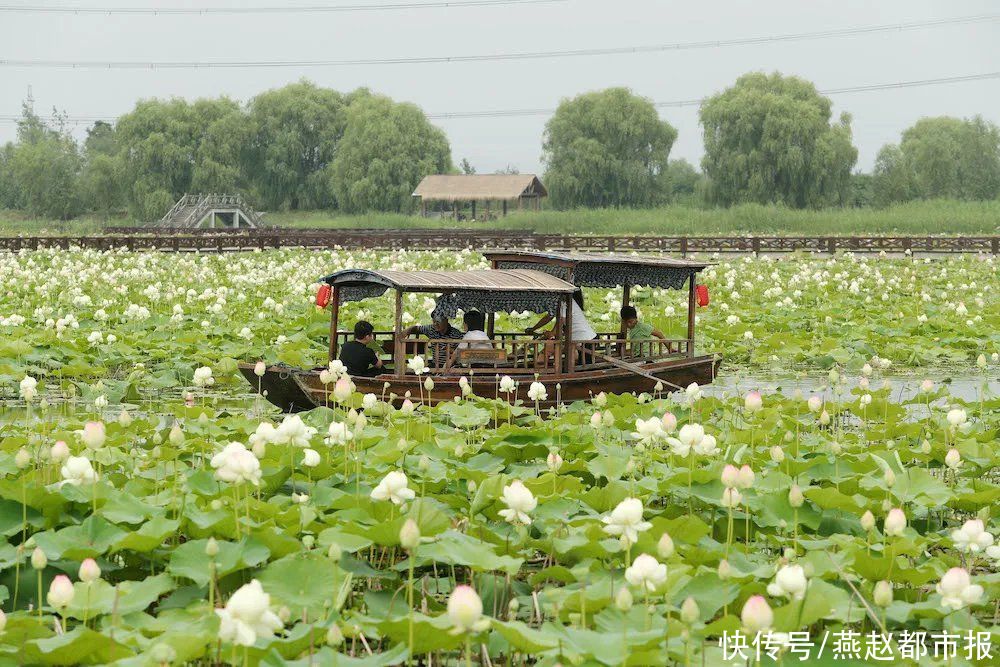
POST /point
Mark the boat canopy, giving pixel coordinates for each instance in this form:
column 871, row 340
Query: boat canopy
column 601, row 270
column 485, row 290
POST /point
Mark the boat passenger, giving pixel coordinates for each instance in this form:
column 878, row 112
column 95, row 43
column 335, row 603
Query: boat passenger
column 475, row 337
column 439, row 329
column 582, row 330
column 356, row 355
column 636, row 330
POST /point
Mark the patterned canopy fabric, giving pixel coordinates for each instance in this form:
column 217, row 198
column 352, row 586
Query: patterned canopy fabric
column 606, row 274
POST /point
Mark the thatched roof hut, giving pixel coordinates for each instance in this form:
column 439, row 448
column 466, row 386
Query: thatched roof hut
column 458, row 189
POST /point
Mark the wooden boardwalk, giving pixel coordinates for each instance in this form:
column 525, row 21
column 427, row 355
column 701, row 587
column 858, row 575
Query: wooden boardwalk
column 214, row 241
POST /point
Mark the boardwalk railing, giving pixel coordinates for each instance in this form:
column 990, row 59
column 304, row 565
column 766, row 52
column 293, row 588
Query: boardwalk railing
column 434, row 239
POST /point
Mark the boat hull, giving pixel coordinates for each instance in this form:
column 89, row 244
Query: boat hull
column 294, row 390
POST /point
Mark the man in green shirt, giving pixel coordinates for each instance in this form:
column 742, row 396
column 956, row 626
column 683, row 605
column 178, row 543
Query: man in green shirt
column 638, row 331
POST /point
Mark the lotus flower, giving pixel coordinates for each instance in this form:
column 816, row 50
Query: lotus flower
column 465, row 611
column 393, row 487
column 625, row 522
column 519, row 501
column 972, row 537
column 646, row 573
column 247, row 616
column 236, row 464
column 790, row 582
column 957, row 590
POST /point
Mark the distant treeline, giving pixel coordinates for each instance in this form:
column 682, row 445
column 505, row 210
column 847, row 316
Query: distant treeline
column 769, row 139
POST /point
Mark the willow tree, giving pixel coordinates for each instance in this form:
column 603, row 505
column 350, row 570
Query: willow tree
column 606, row 148
column 769, row 139
column 387, row 148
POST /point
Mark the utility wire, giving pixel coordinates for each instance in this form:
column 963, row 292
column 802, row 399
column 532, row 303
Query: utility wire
column 504, row 113
column 289, row 9
column 525, row 55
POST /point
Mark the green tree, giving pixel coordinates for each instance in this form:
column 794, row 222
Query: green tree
column 165, row 148
column 387, row 148
column 769, row 139
column 606, row 148
column 682, row 181
column 45, row 168
column 892, row 181
column 295, row 131
column 8, row 191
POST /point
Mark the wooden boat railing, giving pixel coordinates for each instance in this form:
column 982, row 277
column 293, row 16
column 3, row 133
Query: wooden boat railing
column 520, row 353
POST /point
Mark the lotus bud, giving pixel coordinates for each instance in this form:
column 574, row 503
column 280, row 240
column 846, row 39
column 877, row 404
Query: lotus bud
column 815, row 404
column 753, row 401
column 868, row 521
column 203, row 418
column 38, row 559
column 360, row 423
column 424, row 463
column 156, row 452
column 757, row 615
column 889, row 477
column 512, row 607
column 833, row 376
column 730, row 476
column 895, row 522
column 623, row 599
column 334, row 552
column 216, row 504
column 334, row 636
column 211, row 548
column 777, row 454
column 89, row 571
column 724, row 571
column 124, row 418
column 608, row 419
column 746, row 477
column 409, row 535
column 59, row 451
column 953, row 459
column 595, row 420
column 60, row 592
column 284, row 614
column 429, row 383
column 630, row 466
column 308, row 541
column 176, row 435
column 789, row 436
column 925, row 447
column 665, row 547
column 157, row 439
column 669, row 422
column 795, row 497
column 553, row 461
column 883, row 594
column 886, row 505
column 689, row 611
column 824, row 418
column 471, row 486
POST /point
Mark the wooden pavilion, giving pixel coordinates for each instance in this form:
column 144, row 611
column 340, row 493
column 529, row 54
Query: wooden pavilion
column 497, row 192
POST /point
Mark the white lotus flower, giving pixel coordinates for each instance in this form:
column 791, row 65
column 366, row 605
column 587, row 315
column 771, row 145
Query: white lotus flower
column 29, row 388
column 77, row 470
column 600, row 400
column 953, row 459
column 417, row 365
column 790, row 581
column 646, row 573
column 338, row 434
column 369, row 401
column 707, row 446
column 972, row 537
column 815, row 404
column 236, row 464
column 957, row 590
column 648, row 431
column 507, row 384
column 625, row 522
column 895, row 522
column 519, row 501
column 731, row 498
column 203, row 377
column 247, row 616
column 343, row 389
column 393, row 487
column 536, row 392
column 957, row 417
column 310, row 458
column 293, row 431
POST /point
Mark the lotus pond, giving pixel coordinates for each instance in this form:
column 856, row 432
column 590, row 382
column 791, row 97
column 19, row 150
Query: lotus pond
column 155, row 514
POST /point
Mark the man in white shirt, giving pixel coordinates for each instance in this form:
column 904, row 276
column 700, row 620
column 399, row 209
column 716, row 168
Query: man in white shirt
column 475, row 337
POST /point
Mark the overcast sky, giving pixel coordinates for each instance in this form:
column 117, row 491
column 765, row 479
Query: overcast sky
column 492, row 143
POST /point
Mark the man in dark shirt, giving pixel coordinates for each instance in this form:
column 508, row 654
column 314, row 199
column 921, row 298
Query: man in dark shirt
column 357, row 357
column 439, row 330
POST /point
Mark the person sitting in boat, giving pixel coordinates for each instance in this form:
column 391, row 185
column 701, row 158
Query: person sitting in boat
column 439, row 328
column 636, row 330
column 582, row 330
column 356, row 355
column 475, row 337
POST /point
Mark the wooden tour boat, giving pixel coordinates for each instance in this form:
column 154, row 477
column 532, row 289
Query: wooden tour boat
column 540, row 282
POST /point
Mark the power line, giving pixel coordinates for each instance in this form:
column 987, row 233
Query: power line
column 504, row 113
column 291, row 9
column 525, row 55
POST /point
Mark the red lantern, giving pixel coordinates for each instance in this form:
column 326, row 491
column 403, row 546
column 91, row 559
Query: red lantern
column 323, row 296
column 701, row 291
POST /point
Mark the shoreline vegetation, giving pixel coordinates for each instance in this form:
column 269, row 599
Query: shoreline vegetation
column 932, row 217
